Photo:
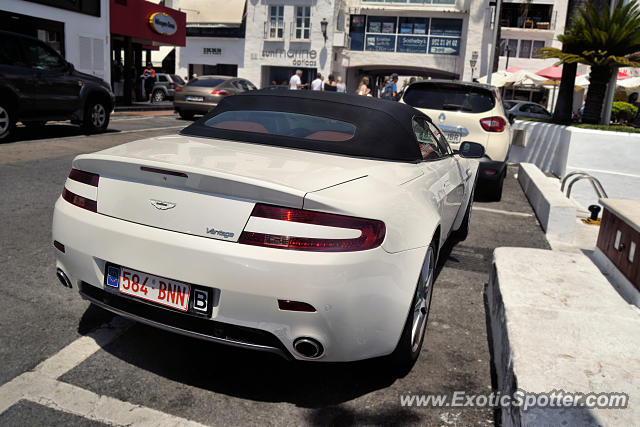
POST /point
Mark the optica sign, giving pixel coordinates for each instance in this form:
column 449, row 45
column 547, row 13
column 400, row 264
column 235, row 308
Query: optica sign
column 163, row 23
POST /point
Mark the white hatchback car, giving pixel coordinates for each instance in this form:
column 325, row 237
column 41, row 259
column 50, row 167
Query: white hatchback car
column 300, row 223
column 468, row 112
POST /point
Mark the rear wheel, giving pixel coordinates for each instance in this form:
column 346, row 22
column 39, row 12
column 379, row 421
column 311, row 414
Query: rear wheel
column 7, row 122
column 187, row 115
column 410, row 344
column 96, row 116
column 158, row 95
column 496, row 189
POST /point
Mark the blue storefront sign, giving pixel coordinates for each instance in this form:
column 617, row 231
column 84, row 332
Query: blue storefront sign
column 444, row 46
column 412, row 44
column 380, row 43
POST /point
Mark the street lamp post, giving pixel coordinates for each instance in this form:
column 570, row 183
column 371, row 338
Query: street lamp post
column 323, row 26
column 473, row 62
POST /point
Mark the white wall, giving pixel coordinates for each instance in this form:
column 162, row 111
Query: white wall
column 76, row 25
column 232, row 52
column 611, row 157
column 255, row 44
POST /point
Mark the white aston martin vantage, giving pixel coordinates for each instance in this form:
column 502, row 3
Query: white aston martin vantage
column 301, row 223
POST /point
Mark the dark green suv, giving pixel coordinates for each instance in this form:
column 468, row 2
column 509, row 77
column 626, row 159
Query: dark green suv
column 38, row 85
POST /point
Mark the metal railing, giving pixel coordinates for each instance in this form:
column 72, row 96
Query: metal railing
column 580, row 175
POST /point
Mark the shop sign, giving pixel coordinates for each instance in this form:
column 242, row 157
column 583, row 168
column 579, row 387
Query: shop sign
column 380, row 43
column 444, row 46
column 298, row 57
column 211, row 51
column 412, row 44
column 163, row 24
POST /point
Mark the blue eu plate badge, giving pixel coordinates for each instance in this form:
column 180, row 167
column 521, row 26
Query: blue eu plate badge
column 113, row 275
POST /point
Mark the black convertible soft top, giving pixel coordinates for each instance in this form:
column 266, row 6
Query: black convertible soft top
column 383, row 129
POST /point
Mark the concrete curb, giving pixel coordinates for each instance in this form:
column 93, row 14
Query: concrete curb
column 556, row 323
column 556, row 213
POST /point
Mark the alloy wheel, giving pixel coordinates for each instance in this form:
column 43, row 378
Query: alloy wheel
column 422, row 298
column 4, row 121
column 98, row 115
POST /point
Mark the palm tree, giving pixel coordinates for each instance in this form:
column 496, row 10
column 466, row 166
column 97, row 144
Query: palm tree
column 604, row 41
column 564, row 104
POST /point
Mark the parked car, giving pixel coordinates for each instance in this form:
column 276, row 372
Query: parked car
column 165, row 86
column 300, row 223
column 205, row 92
column 526, row 109
column 38, row 85
column 468, row 112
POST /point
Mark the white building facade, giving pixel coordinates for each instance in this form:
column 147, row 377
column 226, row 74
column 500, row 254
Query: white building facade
column 80, row 31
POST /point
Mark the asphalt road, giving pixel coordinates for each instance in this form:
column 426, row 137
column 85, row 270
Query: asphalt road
column 182, row 377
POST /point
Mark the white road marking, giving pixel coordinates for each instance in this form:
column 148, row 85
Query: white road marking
column 500, row 211
column 41, row 386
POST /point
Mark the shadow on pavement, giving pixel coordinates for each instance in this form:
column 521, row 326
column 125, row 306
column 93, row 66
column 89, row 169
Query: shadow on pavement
column 243, row 373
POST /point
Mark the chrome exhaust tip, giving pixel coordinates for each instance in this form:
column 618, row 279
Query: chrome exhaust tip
column 63, row 279
column 308, row 347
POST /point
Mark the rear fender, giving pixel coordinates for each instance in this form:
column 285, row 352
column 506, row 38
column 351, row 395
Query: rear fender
column 411, row 218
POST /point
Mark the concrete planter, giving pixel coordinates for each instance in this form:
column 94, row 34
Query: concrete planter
column 611, row 157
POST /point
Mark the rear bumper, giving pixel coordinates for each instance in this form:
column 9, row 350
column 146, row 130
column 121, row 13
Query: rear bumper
column 362, row 298
column 194, row 107
column 490, row 170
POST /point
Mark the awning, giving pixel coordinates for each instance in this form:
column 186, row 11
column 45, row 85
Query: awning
column 148, row 23
column 210, row 12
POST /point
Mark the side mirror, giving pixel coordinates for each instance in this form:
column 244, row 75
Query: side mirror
column 70, row 67
column 511, row 118
column 471, row 150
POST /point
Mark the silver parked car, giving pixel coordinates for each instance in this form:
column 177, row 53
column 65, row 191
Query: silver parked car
column 165, row 86
column 205, row 92
column 526, row 109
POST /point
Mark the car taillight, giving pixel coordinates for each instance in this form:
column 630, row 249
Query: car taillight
column 179, row 89
column 172, row 85
column 220, row 92
column 81, row 189
column 493, row 124
column 303, row 230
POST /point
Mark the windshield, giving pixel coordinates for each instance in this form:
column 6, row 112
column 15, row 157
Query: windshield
column 284, row 124
column 205, row 82
column 177, row 79
column 449, row 97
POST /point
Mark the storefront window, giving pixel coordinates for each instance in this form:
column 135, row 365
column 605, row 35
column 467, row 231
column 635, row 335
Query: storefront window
column 437, row 36
column 303, row 22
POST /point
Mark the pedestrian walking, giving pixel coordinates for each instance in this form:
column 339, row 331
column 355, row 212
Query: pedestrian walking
column 317, row 83
column 295, row 82
column 363, row 87
column 390, row 90
column 330, row 84
column 340, row 86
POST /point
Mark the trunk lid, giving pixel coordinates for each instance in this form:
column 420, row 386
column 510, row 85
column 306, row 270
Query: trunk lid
column 208, row 187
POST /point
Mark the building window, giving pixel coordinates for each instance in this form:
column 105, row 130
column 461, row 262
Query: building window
column 527, row 48
column 303, row 23
column 427, row 2
column 275, row 25
column 436, row 36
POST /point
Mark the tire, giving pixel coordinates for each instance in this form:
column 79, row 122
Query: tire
column 158, row 95
column 408, row 349
column 461, row 233
column 496, row 190
column 186, row 115
column 7, row 122
column 96, row 116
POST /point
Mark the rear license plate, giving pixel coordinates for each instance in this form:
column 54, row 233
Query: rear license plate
column 452, row 137
column 195, row 98
column 151, row 288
